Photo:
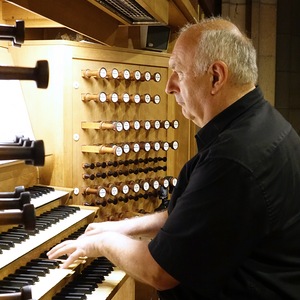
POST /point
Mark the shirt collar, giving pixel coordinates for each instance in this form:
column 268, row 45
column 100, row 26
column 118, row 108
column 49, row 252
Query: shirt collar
column 214, row 127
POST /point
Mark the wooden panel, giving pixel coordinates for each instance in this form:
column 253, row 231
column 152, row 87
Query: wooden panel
column 125, row 290
column 11, row 13
column 120, row 112
column 187, row 9
column 159, row 9
column 16, row 174
column 177, row 18
column 80, row 16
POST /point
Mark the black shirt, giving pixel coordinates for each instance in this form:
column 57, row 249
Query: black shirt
column 233, row 230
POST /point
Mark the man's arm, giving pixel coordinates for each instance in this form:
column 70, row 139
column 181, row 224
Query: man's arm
column 114, row 240
column 145, row 226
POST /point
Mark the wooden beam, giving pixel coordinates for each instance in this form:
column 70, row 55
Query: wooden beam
column 159, row 9
column 187, row 10
column 80, row 16
column 176, row 19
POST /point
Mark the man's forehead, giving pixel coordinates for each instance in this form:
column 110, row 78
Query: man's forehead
column 182, row 53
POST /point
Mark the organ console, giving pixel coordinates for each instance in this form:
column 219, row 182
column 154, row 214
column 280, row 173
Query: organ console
column 23, row 262
column 108, row 158
column 34, row 219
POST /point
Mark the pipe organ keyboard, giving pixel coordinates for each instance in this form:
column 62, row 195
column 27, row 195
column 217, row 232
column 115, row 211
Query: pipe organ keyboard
column 23, row 261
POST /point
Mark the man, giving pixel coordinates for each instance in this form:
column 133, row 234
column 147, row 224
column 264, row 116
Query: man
column 232, row 229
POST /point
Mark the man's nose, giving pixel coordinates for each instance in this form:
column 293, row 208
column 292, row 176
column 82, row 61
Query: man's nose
column 171, row 86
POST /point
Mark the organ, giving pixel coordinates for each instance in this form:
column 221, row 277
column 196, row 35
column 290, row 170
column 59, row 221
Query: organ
column 35, row 218
column 111, row 138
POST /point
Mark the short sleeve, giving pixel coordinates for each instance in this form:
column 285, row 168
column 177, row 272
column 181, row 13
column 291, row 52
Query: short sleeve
column 216, row 222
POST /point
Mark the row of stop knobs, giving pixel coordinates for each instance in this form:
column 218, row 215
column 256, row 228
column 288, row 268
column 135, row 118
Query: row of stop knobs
column 114, row 97
column 114, row 73
column 113, row 189
column 127, row 125
column 116, row 173
column 127, row 162
column 119, row 149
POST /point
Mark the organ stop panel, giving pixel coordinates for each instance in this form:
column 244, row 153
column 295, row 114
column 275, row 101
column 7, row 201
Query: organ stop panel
column 107, row 131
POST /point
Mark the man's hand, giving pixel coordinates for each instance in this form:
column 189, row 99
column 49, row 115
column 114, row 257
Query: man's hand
column 84, row 246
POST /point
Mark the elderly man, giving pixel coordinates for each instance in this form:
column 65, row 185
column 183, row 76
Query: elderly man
column 232, row 228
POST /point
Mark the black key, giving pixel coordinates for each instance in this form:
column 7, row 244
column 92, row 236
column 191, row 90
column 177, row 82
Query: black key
column 91, row 278
column 8, row 289
column 96, row 271
column 19, row 231
column 28, row 281
column 14, row 283
column 6, row 244
column 38, row 190
column 75, row 285
column 71, row 209
column 78, row 282
column 33, row 277
column 59, row 214
column 31, row 271
column 46, row 270
column 76, row 289
column 102, row 266
column 50, row 219
column 41, row 264
column 52, row 261
column 3, row 291
column 13, row 239
column 45, row 188
column 64, row 297
column 21, row 237
column 81, row 295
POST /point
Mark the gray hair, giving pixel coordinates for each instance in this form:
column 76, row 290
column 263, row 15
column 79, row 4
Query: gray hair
column 229, row 46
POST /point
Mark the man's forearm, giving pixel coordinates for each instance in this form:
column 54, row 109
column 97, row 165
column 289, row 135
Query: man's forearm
column 144, row 226
column 134, row 258
column 147, row 225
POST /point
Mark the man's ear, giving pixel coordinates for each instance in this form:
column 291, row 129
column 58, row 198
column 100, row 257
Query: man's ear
column 219, row 75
